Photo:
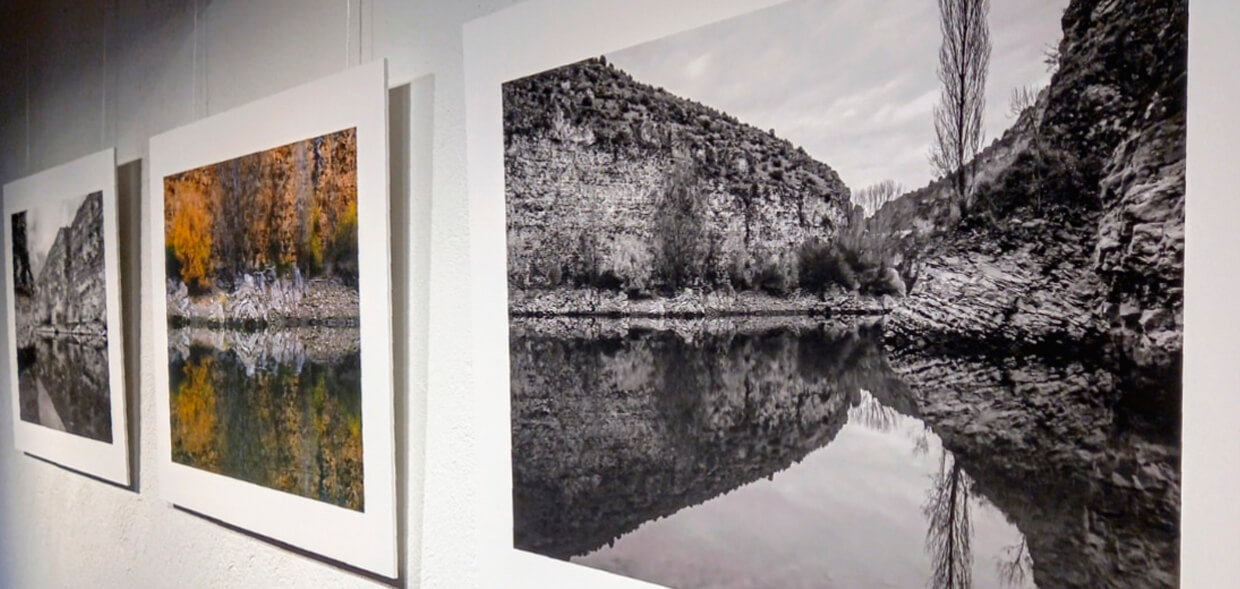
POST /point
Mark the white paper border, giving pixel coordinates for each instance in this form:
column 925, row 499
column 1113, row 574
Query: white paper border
column 354, row 98
column 90, row 174
column 532, row 37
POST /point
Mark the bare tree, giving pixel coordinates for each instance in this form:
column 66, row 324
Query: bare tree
column 1021, row 100
column 964, row 60
column 873, row 197
column 949, row 538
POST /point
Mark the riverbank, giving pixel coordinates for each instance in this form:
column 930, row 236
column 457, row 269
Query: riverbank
column 688, row 304
column 325, row 302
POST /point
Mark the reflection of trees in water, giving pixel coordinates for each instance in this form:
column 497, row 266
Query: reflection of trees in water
column 611, row 432
column 1015, row 565
column 949, row 537
column 73, row 373
column 290, row 426
column 871, row 413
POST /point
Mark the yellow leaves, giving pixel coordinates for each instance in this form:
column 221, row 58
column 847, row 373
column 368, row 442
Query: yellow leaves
column 187, row 212
column 193, row 409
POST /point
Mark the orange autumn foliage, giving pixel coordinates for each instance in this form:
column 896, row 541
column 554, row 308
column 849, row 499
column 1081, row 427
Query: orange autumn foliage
column 194, row 411
column 291, row 207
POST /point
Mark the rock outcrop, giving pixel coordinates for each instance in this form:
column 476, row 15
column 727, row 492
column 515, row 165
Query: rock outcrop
column 70, row 291
column 589, row 150
column 23, row 278
column 1078, row 229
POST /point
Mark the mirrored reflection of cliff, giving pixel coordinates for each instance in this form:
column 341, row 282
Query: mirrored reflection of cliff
column 279, row 408
column 773, row 452
column 63, row 384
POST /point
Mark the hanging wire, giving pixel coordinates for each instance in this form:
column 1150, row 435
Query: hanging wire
column 103, row 76
column 193, row 103
column 27, row 68
column 348, row 27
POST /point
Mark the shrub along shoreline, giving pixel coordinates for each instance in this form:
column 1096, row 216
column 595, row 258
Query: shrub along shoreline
column 688, row 304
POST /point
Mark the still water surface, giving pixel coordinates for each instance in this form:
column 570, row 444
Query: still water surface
column 850, row 514
column 281, row 409
column 63, row 384
column 773, row 453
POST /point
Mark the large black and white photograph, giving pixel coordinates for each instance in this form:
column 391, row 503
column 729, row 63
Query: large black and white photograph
column 855, row 293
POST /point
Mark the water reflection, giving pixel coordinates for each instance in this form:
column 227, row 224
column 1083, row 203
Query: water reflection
column 280, row 409
column 63, row 384
column 791, row 454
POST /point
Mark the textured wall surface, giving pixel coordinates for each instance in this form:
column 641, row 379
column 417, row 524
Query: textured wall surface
column 78, row 76
column 81, row 76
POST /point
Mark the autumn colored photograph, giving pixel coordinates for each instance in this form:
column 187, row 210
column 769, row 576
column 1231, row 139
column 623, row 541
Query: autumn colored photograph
column 261, row 264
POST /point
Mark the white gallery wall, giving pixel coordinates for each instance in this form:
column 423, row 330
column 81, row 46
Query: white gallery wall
column 77, row 76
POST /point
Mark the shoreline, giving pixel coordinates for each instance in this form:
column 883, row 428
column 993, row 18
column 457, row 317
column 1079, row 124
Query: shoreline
column 591, row 303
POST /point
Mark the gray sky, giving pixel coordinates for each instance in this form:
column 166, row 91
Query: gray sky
column 852, row 81
column 42, row 225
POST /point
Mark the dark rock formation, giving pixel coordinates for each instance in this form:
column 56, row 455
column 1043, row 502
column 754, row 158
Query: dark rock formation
column 1096, row 498
column 63, row 383
column 70, row 291
column 1078, row 230
column 612, row 429
column 23, row 279
column 588, row 151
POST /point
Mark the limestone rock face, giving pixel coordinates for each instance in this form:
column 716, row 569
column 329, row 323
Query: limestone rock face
column 70, row 291
column 1085, row 235
column 589, row 150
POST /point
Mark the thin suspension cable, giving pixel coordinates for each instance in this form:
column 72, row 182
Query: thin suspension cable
column 27, row 68
column 193, row 103
column 103, row 106
column 348, row 29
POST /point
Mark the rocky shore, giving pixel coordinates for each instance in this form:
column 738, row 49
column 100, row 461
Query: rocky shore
column 256, row 303
column 1076, row 244
column 687, row 304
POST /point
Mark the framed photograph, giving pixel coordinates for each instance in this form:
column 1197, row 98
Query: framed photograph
column 63, row 300
column 272, row 309
column 829, row 293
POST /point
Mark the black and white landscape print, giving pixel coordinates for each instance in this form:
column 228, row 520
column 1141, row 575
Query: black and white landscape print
column 855, row 293
column 60, row 288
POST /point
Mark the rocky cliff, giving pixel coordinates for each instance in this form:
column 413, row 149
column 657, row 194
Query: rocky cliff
column 70, row 291
column 23, row 278
column 1078, row 232
column 589, row 153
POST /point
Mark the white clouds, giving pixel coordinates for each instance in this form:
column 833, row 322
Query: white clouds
column 42, row 225
column 697, row 67
column 851, row 81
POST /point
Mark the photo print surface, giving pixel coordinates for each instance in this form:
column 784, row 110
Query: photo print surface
column 846, row 294
column 264, row 347
column 60, row 300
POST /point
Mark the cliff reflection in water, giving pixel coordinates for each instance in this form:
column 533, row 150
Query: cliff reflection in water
column 279, row 408
column 63, row 384
column 791, row 453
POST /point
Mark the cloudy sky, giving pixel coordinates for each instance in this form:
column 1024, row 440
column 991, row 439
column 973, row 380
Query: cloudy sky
column 852, row 81
column 42, row 225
